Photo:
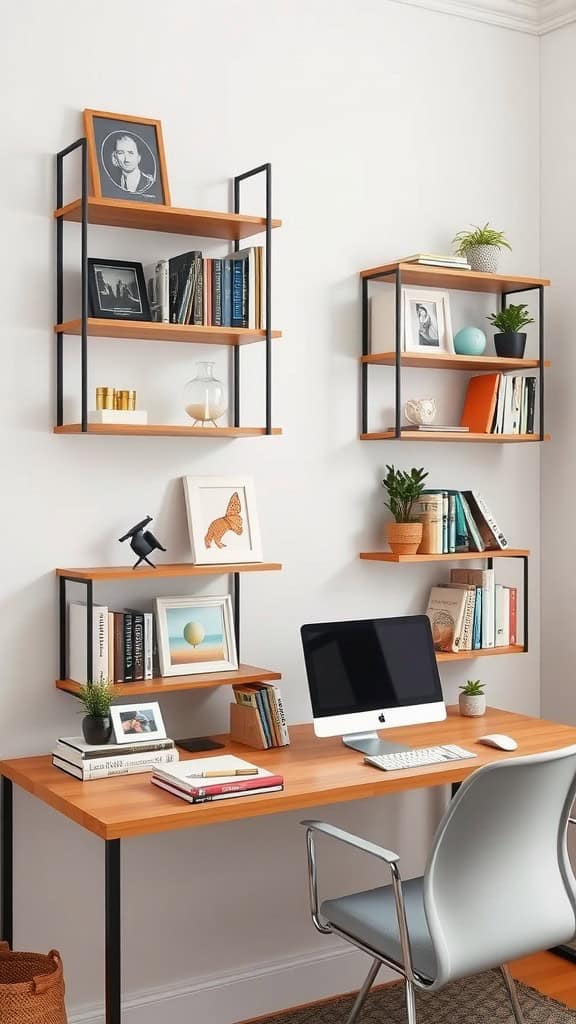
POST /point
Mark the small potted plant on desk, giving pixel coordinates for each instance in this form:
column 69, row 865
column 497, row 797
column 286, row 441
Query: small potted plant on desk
column 403, row 535
column 97, row 724
column 481, row 247
column 472, row 699
column 511, row 341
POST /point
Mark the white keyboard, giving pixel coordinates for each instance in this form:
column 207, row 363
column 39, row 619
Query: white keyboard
column 419, row 758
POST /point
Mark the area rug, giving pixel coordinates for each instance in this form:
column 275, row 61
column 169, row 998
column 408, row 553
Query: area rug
column 482, row 999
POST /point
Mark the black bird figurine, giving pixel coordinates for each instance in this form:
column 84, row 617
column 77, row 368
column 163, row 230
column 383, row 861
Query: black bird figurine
column 142, row 542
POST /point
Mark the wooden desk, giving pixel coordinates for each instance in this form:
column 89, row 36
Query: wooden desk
column 316, row 771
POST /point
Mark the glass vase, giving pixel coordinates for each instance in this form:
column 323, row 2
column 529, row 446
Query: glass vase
column 205, row 398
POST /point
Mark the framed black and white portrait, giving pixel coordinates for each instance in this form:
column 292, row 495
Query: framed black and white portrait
column 426, row 321
column 117, row 290
column 126, row 158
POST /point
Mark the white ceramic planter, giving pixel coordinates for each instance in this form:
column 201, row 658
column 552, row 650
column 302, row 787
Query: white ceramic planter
column 472, row 707
column 483, row 257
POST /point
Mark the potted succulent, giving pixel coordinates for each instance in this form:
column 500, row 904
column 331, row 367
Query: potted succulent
column 481, row 247
column 97, row 698
column 472, row 699
column 403, row 535
column 511, row 341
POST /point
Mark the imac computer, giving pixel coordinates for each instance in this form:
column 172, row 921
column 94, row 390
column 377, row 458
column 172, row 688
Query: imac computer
column 372, row 674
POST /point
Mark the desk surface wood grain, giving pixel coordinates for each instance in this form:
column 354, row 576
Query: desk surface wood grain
column 316, row 771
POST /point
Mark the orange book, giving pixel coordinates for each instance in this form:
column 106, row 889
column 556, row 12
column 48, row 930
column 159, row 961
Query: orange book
column 480, row 403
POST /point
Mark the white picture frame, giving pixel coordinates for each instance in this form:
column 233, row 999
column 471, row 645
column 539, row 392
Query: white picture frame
column 137, row 723
column 195, row 634
column 222, row 520
column 426, row 321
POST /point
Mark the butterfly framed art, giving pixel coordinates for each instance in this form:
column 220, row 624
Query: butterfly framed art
column 222, row 520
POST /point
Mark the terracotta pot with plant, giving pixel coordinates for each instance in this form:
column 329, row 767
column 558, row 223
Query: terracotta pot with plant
column 403, row 535
column 97, row 724
column 481, row 246
column 511, row 341
column 472, row 699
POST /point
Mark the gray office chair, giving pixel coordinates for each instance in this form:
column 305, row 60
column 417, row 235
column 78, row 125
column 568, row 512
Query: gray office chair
column 498, row 884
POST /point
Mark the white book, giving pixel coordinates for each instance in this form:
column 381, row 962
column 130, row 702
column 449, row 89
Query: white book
column 501, row 616
column 500, row 402
column 76, row 748
column 192, row 799
column 157, row 285
column 465, row 638
column 116, row 760
column 282, row 717
column 187, row 774
column 487, row 525
column 446, row 610
column 88, row 773
column 148, row 644
column 488, row 608
column 111, row 642
column 77, row 641
column 508, row 420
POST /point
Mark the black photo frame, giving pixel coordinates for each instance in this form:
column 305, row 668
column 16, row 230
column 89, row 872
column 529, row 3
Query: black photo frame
column 117, row 290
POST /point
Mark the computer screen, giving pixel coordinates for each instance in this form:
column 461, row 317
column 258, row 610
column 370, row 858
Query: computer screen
column 372, row 664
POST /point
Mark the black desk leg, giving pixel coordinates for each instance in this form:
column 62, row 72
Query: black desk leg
column 7, row 864
column 113, row 919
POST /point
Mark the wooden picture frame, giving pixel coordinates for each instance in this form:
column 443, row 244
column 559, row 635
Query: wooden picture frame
column 136, row 173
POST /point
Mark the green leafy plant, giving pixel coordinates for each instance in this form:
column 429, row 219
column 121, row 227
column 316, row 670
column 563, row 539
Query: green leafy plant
column 403, row 490
column 97, row 698
column 485, row 235
column 512, row 319
column 473, row 688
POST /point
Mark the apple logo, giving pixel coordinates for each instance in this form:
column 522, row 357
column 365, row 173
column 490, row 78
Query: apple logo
column 381, row 717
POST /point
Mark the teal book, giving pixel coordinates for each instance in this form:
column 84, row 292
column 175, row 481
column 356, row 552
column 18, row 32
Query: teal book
column 264, row 718
column 476, row 542
column 451, row 523
column 477, row 625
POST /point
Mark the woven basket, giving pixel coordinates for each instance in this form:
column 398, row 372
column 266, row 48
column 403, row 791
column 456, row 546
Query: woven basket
column 31, row 988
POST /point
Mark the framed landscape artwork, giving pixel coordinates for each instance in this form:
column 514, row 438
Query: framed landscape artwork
column 195, row 634
column 222, row 519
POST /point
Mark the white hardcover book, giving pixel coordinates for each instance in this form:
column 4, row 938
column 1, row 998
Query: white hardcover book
column 282, row 717
column 157, row 276
column 111, row 641
column 77, row 642
column 516, row 404
column 90, row 774
column 492, row 526
column 499, row 414
column 508, row 421
column 446, row 609
column 93, row 764
column 465, row 638
column 487, row 607
column 148, row 642
column 501, row 616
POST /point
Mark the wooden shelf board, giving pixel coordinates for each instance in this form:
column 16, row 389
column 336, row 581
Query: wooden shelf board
column 172, row 219
column 485, row 652
column 143, row 330
column 469, row 438
column 171, row 684
column 126, row 572
column 463, row 280
column 165, row 430
column 454, row 556
column 452, row 362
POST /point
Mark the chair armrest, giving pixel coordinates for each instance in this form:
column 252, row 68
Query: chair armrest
column 347, row 837
column 572, row 821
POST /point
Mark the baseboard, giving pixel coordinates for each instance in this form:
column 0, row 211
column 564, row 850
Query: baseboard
column 227, row 997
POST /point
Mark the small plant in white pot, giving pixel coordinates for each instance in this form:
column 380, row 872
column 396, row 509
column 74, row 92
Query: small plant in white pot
column 481, row 246
column 472, row 699
column 403, row 535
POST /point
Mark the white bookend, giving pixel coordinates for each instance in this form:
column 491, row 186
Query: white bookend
column 77, row 640
column 446, row 610
column 148, row 644
column 501, row 616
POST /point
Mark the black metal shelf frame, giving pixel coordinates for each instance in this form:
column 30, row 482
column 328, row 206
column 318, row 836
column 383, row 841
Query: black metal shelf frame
column 89, row 585
column 266, row 170
column 396, row 274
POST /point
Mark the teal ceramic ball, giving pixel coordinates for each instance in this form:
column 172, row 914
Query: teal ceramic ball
column 469, row 341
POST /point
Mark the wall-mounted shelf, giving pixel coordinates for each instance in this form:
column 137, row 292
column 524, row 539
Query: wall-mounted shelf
column 125, row 572
column 482, row 652
column 444, row 435
column 174, row 684
column 491, row 364
column 462, row 280
column 138, row 330
column 165, row 430
column 454, row 556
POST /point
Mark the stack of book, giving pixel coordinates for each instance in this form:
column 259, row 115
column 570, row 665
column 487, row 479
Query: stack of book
column 190, row 289
column 123, row 644
column 266, row 702
column 472, row 612
column 456, row 521
column 216, row 778
column 87, row 762
column 432, row 259
column 498, row 403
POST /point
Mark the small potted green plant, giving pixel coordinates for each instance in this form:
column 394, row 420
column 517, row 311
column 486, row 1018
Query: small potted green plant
column 97, row 698
column 472, row 699
column 481, row 246
column 403, row 535
column 511, row 341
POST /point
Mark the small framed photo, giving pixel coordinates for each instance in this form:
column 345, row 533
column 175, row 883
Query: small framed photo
column 426, row 321
column 222, row 519
column 134, row 722
column 117, row 290
column 195, row 634
column 126, row 157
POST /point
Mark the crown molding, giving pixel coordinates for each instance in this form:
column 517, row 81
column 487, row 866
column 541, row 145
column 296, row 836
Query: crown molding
column 534, row 17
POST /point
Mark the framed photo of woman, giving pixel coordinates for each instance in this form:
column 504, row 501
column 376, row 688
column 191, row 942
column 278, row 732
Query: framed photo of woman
column 426, row 321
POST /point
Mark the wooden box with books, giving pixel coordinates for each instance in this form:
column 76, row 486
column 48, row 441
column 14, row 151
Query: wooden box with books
column 246, row 727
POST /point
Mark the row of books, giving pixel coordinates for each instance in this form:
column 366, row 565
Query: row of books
column 472, row 612
column 215, row 778
column 86, row 762
column 434, row 259
column 499, row 403
column 123, row 644
column 266, row 700
column 206, row 292
column 456, row 521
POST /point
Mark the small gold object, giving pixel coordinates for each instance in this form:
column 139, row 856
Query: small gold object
column 105, row 398
column 132, row 401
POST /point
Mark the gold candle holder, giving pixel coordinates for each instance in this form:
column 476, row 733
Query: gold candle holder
column 105, row 398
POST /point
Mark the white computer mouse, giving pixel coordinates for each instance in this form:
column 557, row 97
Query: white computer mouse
column 499, row 741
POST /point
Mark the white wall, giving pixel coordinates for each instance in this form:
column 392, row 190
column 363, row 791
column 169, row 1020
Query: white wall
column 558, row 227
column 384, row 139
